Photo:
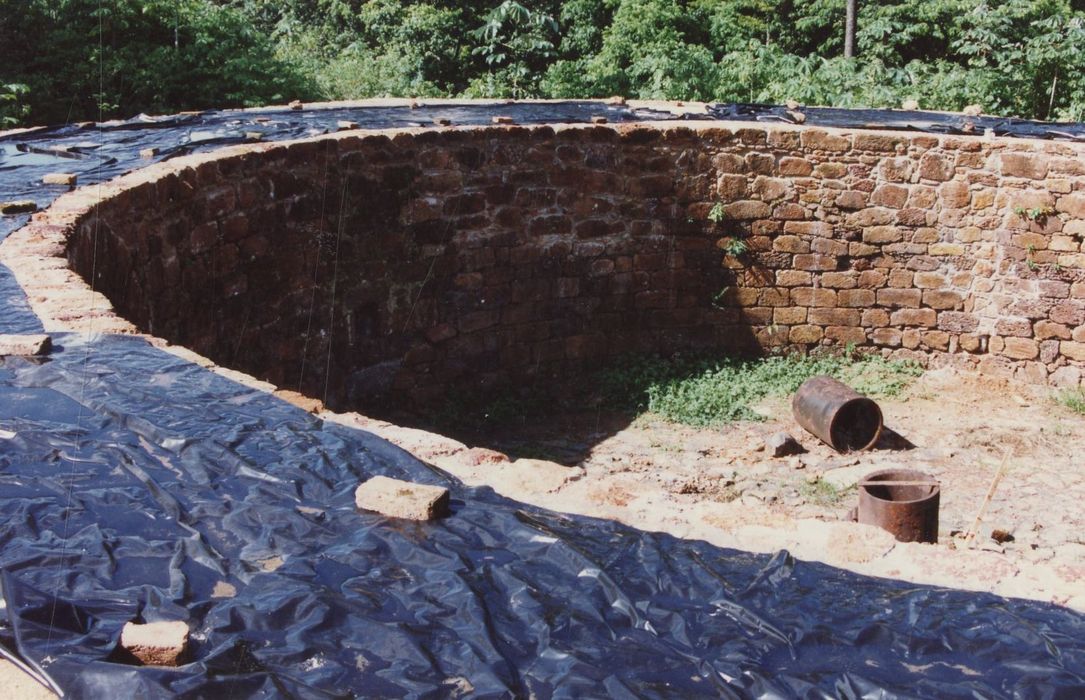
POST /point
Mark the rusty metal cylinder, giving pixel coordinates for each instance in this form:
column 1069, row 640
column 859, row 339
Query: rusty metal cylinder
column 843, row 418
column 903, row 502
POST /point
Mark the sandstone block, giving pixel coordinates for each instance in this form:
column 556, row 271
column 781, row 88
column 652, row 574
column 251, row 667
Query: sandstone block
column 816, row 139
column 789, row 315
column 935, row 166
column 790, row 244
column 1021, row 348
column 795, row 167
column 1072, row 204
column 851, row 199
column 1048, row 329
column 899, row 297
column 954, row 194
column 953, row 249
column 810, row 296
column 857, row 298
column 914, row 317
column 18, row 207
column 815, row 262
column 809, row 228
column 771, row 188
column 882, row 234
column 889, row 337
column 402, row 499
column 942, row 299
column 66, row 179
column 833, row 317
column 892, row 196
column 1072, row 350
column 1033, row 167
column 156, row 643
column 810, row 334
column 25, row 345
column 747, row 209
column 957, row 322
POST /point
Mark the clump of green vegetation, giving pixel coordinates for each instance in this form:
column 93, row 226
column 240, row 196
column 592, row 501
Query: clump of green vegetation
column 824, row 494
column 1074, row 399
column 707, row 391
column 716, row 214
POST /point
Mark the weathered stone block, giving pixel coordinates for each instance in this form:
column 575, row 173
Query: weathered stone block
column 402, row 499
column 25, row 345
column 899, row 298
column 818, row 140
column 914, row 317
column 747, row 209
column 1072, row 204
column 1031, row 166
column 810, row 296
column 156, row 643
column 936, row 166
column 1021, row 348
column 857, row 298
column 892, row 196
column 811, row 334
column 942, row 299
column 795, row 167
column 882, row 234
column 815, row 262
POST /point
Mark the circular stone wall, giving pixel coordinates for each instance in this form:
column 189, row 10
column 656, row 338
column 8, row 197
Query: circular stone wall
column 400, row 265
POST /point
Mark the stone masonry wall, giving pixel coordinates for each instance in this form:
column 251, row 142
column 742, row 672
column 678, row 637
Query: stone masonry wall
column 400, row 265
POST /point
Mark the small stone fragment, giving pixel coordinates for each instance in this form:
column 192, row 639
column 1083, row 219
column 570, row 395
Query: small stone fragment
column 402, row 499
column 254, row 136
column 910, row 105
column 345, row 125
column 25, row 345
column 66, row 179
column 156, row 643
column 503, row 120
column 442, row 121
column 616, row 100
column 792, row 104
column 19, row 207
column 972, row 111
column 224, row 590
column 782, row 445
column 148, row 153
column 296, row 105
column 598, row 120
column 796, row 116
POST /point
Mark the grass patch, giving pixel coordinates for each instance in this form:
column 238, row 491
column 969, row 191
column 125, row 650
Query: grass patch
column 1074, row 399
column 823, row 494
column 712, row 391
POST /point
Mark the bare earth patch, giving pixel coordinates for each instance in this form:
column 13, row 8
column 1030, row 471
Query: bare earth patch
column 722, row 486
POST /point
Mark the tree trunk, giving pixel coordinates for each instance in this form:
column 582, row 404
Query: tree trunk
column 849, row 28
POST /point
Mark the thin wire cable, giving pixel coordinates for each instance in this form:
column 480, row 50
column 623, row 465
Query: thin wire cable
column 90, row 333
column 316, row 268
column 335, row 284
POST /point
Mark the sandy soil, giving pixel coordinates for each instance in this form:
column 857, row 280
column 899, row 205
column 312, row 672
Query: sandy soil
column 723, row 486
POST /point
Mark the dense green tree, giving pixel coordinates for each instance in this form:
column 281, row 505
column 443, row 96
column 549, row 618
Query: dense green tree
column 126, row 56
column 1012, row 57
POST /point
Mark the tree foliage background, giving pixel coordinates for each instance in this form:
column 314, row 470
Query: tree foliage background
column 69, row 60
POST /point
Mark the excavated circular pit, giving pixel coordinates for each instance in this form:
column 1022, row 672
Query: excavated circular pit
column 399, row 267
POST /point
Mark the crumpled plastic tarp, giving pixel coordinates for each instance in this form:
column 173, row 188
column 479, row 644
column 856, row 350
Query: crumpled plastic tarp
column 135, row 484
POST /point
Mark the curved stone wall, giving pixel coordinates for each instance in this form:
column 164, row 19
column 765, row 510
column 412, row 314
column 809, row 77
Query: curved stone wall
column 366, row 265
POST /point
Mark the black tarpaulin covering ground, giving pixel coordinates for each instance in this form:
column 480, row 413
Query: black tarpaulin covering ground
column 134, row 483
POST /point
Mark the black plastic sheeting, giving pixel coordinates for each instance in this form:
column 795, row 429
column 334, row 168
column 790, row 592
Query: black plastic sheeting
column 135, row 482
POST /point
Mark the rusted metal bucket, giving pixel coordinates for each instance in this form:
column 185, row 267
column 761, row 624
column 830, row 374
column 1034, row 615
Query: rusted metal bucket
column 903, row 502
column 843, row 418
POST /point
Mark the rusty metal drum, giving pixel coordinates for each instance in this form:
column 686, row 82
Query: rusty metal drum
column 843, row 418
column 903, row 502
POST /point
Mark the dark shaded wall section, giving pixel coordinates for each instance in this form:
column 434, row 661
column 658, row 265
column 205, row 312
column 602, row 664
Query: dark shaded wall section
column 400, row 266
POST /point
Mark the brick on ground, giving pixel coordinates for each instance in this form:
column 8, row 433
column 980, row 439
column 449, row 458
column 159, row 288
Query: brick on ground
column 402, row 499
column 24, row 345
column 156, row 643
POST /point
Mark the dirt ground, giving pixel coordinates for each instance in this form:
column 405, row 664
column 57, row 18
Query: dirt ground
column 723, row 485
